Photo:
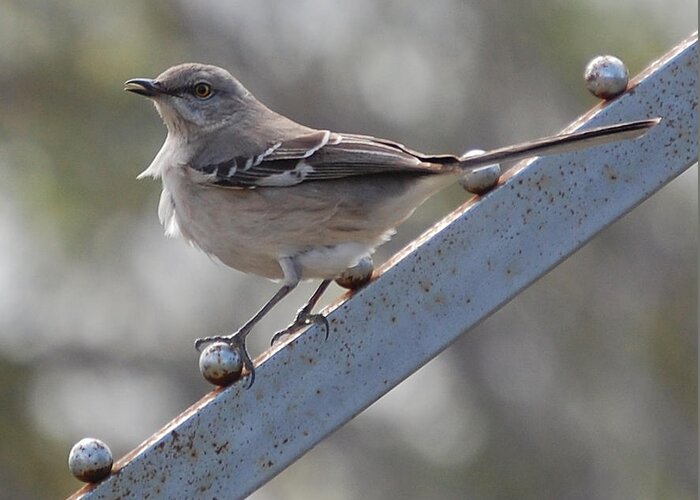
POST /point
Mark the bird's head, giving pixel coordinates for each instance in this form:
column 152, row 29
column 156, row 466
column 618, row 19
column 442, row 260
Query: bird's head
column 193, row 98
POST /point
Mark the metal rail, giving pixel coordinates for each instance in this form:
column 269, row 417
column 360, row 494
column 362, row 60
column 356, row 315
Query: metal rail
column 462, row 270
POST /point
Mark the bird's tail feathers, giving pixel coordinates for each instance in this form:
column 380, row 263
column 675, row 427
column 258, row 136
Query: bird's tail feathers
column 563, row 143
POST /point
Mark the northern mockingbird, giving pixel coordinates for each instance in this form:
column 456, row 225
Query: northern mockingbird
column 268, row 196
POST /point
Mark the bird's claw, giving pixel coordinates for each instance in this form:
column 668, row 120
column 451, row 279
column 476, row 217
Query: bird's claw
column 201, row 343
column 237, row 342
column 302, row 321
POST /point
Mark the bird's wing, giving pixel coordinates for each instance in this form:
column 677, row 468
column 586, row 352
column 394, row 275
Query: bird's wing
column 320, row 155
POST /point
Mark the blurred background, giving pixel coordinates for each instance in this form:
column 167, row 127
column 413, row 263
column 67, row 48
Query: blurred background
column 584, row 386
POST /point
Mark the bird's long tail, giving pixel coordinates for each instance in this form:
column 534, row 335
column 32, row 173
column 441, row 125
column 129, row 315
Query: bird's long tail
column 563, row 143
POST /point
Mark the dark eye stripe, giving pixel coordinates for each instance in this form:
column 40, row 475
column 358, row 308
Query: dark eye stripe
column 189, row 89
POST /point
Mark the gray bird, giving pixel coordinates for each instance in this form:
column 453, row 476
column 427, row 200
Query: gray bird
column 268, row 196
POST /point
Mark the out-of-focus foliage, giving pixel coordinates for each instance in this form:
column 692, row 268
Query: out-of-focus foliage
column 585, row 386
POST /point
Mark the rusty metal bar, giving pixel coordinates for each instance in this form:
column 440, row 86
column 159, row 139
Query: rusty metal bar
column 475, row 260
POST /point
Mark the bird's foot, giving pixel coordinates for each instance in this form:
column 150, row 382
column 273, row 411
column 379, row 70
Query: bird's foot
column 303, row 319
column 237, row 342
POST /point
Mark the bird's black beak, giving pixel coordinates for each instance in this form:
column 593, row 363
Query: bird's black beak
column 143, row 86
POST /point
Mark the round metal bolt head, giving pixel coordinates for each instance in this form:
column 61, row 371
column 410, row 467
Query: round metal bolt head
column 606, row 77
column 90, row 460
column 358, row 275
column 221, row 364
column 480, row 180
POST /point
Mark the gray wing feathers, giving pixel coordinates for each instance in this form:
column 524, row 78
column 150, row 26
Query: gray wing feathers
column 320, row 155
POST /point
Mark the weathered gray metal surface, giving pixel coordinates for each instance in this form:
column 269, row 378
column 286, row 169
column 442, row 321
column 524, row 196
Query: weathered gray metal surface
column 471, row 263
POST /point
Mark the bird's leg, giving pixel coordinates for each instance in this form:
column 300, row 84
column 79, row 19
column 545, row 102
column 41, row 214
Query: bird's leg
column 237, row 339
column 304, row 316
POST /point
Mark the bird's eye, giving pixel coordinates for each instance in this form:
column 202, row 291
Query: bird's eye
column 202, row 90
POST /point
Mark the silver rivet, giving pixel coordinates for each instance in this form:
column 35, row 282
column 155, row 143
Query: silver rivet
column 90, row 460
column 220, row 364
column 358, row 275
column 480, row 180
column 606, row 77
